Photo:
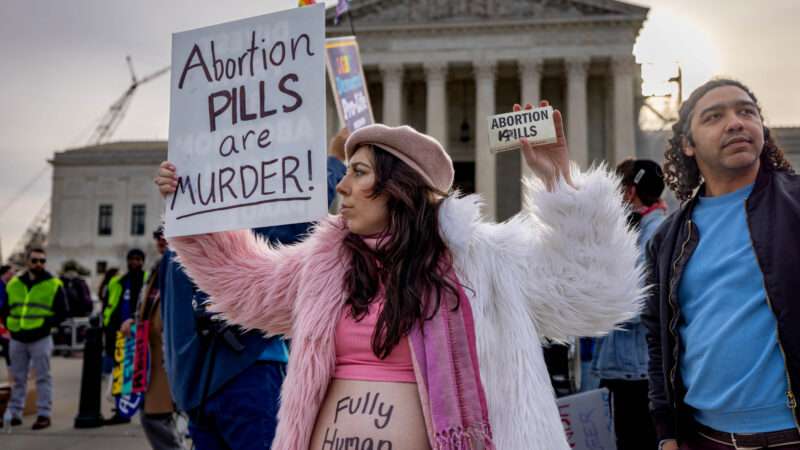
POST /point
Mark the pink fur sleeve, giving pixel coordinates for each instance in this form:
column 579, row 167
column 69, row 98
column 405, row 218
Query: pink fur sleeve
column 252, row 283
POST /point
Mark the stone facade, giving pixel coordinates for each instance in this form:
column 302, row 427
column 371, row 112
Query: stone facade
column 788, row 139
column 86, row 180
column 443, row 66
column 120, row 174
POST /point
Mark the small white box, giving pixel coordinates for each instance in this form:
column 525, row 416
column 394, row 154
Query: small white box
column 536, row 125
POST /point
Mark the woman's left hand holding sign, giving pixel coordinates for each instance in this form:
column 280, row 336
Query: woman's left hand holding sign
column 549, row 162
column 167, row 179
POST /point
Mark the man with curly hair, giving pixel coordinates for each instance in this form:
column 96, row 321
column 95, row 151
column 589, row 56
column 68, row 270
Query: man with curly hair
column 722, row 316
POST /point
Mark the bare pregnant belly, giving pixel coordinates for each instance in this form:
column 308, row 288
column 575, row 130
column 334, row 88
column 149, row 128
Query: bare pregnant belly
column 370, row 415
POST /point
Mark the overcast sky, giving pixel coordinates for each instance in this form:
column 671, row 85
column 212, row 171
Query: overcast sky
column 62, row 64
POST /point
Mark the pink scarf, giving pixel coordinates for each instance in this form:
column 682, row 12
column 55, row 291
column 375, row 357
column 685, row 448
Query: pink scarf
column 447, row 360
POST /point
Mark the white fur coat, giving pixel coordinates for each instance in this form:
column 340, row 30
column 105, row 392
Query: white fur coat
column 564, row 266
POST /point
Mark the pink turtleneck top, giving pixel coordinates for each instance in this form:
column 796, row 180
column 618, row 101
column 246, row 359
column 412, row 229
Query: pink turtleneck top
column 354, row 357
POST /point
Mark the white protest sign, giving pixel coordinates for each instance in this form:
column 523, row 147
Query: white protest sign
column 536, row 125
column 587, row 420
column 247, row 123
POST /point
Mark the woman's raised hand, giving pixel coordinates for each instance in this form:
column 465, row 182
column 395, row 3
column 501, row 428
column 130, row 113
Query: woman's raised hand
column 167, row 179
column 548, row 161
column 336, row 145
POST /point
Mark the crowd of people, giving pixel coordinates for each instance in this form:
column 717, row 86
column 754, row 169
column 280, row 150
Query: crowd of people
column 409, row 321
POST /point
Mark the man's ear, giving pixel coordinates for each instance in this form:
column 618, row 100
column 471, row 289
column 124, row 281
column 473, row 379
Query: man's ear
column 687, row 146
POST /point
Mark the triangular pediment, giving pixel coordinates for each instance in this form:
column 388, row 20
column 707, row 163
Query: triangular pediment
column 414, row 12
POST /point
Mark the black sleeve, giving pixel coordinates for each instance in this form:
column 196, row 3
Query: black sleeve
column 163, row 264
column 87, row 305
column 4, row 308
column 660, row 407
column 114, row 322
column 109, row 342
column 60, row 307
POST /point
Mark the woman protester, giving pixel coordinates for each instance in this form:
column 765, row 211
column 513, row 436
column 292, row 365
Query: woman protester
column 415, row 324
column 620, row 359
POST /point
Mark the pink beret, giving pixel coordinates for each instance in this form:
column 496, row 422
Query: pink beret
column 421, row 152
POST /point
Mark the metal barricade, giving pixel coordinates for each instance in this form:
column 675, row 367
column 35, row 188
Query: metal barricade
column 70, row 336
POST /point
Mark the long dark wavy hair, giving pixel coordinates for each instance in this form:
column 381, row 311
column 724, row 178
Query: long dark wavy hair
column 681, row 173
column 410, row 259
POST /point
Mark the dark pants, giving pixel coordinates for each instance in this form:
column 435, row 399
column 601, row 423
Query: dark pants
column 243, row 414
column 632, row 423
column 4, row 344
column 160, row 431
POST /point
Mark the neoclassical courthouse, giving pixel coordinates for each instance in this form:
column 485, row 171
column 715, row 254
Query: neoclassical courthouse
column 441, row 66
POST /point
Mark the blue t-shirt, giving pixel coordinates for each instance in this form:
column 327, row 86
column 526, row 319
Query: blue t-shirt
column 731, row 363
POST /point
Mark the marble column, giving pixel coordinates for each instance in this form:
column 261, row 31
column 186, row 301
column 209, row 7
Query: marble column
column 485, row 163
column 623, row 69
column 530, row 75
column 392, row 75
column 436, row 100
column 577, row 114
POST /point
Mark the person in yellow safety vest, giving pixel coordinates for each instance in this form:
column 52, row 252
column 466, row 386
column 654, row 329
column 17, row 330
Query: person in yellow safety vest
column 123, row 299
column 6, row 274
column 36, row 303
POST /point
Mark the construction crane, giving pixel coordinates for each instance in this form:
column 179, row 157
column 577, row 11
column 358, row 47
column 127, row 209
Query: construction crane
column 678, row 79
column 36, row 233
column 35, row 236
column 110, row 122
column 667, row 117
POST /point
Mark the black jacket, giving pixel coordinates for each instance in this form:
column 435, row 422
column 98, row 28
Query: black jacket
column 60, row 311
column 773, row 217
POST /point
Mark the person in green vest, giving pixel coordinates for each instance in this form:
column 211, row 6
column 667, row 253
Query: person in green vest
column 123, row 299
column 6, row 274
column 36, row 303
